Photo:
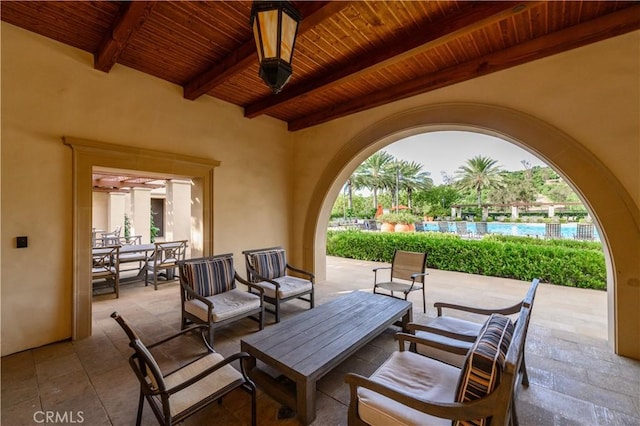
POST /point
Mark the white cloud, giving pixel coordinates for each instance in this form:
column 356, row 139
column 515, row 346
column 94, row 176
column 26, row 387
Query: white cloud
column 448, row 150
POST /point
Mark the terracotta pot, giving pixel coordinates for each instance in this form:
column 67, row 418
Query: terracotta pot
column 387, row 227
column 401, row 227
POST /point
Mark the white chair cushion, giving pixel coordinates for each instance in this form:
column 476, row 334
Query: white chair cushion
column 225, row 305
column 191, row 395
column 454, row 325
column 423, row 378
column 289, row 286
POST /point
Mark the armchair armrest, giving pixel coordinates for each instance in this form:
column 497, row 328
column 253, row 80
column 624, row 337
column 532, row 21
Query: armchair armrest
column 510, row 310
column 260, row 277
column 210, row 370
column 471, row 410
column 413, row 327
column 375, row 273
column 303, row 272
column 251, row 285
column 178, row 334
column 405, row 337
column 416, row 275
column 195, row 295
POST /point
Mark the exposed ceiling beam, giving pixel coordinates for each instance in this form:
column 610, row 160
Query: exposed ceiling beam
column 240, row 59
column 601, row 28
column 473, row 16
column 115, row 41
column 101, row 189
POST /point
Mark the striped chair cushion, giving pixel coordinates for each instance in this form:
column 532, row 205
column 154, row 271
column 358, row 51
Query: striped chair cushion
column 269, row 264
column 212, row 276
column 482, row 370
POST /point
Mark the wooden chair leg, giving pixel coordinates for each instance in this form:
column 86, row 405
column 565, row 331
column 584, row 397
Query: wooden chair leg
column 424, row 300
column 277, row 306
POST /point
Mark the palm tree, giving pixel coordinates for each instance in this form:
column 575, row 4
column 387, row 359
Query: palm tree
column 479, row 173
column 412, row 179
column 372, row 174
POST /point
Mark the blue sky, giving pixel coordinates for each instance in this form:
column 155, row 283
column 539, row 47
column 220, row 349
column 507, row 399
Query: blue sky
column 448, row 150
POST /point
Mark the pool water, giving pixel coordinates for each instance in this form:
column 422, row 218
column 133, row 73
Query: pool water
column 567, row 230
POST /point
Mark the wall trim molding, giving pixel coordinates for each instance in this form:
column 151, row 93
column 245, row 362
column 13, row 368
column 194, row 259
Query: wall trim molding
column 87, row 154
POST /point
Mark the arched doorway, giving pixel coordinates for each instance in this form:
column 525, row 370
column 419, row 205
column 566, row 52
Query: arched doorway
column 613, row 210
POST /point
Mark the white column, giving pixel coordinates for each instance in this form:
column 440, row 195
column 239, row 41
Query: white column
column 141, row 213
column 485, row 213
column 177, row 224
column 514, row 212
column 552, row 211
column 115, row 212
column 453, row 211
column 197, row 240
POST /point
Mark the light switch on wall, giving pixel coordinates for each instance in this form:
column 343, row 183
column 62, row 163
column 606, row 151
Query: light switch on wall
column 21, row 242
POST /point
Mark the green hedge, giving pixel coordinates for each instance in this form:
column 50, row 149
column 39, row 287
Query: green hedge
column 569, row 263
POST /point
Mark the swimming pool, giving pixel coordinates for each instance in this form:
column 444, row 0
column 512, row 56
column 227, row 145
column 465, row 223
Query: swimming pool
column 567, row 230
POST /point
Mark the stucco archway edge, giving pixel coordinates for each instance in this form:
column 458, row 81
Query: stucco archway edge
column 613, row 209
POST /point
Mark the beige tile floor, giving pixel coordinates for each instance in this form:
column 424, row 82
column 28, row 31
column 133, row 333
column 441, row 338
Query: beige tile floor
column 575, row 377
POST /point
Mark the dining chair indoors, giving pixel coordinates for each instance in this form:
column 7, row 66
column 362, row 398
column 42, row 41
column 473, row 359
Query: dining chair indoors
column 164, row 260
column 105, row 268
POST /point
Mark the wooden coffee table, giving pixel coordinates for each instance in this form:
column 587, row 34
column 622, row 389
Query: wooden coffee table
column 307, row 346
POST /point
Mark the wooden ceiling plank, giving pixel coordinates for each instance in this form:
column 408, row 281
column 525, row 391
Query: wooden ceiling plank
column 124, row 27
column 472, row 17
column 611, row 25
column 245, row 55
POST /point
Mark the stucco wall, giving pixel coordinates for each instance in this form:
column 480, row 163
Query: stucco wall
column 50, row 90
column 587, row 99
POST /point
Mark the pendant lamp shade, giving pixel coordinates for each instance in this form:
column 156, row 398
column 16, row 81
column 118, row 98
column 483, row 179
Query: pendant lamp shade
column 275, row 26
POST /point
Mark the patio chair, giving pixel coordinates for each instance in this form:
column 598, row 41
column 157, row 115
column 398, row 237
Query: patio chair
column 552, row 230
column 209, row 295
column 443, row 226
column 461, row 229
column 461, row 333
column 584, row 231
column 481, row 228
column 175, row 395
column 268, row 268
column 164, row 260
column 106, row 266
column 408, row 270
column 412, row 389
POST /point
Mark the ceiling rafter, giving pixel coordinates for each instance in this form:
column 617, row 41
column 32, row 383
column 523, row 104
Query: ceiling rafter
column 241, row 58
column 471, row 17
column 611, row 25
column 115, row 41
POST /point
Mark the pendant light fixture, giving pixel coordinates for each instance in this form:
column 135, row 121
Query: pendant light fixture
column 275, row 26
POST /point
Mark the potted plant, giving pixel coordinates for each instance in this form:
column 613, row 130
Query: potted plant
column 388, row 222
column 406, row 222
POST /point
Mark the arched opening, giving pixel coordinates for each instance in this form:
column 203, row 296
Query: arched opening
column 611, row 207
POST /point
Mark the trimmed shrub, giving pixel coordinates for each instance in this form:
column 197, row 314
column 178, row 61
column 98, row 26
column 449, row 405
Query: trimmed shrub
column 568, row 263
